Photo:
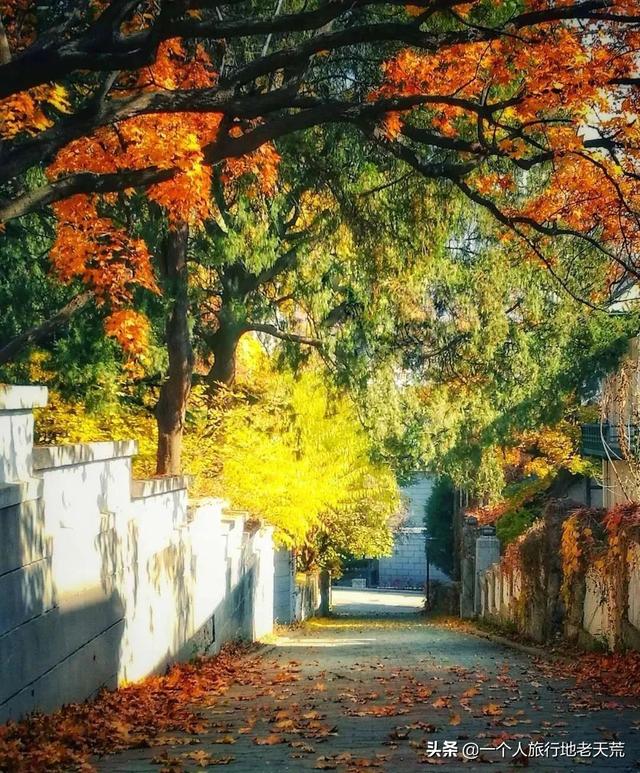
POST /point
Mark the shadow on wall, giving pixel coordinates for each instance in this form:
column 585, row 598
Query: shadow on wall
column 146, row 610
column 50, row 652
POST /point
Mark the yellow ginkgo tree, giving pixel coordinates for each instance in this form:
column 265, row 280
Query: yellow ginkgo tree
column 300, row 459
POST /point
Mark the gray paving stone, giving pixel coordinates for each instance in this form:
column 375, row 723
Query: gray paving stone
column 346, row 666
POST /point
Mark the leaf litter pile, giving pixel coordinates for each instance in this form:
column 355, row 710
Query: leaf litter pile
column 139, row 715
column 355, row 713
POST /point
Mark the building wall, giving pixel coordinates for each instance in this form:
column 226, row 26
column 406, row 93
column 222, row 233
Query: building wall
column 619, row 484
column 416, row 495
column 407, row 566
column 587, row 491
column 105, row 579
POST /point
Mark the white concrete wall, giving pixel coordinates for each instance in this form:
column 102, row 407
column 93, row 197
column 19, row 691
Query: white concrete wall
column 619, row 484
column 595, row 611
column 284, row 601
column 634, row 586
column 296, row 595
column 105, row 580
column 307, row 600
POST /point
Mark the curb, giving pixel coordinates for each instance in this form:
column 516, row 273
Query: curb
column 527, row 649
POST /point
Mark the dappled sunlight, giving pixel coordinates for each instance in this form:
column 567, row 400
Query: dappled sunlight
column 297, row 643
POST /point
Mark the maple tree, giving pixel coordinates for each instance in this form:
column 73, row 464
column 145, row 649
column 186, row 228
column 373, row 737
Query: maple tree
column 472, row 93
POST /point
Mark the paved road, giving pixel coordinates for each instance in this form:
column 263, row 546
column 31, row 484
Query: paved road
column 387, row 695
column 357, row 602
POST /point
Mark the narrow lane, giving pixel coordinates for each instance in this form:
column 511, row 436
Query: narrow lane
column 395, row 695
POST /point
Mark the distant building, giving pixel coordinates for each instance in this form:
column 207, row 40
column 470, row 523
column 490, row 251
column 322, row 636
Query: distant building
column 407, row 567
column 615, row 439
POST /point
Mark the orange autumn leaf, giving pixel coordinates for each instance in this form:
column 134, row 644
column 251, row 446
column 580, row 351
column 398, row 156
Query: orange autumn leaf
column 89, row 244
column 270, row 740
column 25, row 112
column 130, row 329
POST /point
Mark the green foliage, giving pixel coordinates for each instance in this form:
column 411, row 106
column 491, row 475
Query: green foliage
column 514, row 523
column 439, row 512
column 503, row 352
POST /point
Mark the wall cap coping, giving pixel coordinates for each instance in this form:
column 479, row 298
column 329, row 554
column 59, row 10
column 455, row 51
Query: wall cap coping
column 22, row 398
column 232, row 514
column 196, row 502
column 48, row 457
column 142, row 488
column 23, row 491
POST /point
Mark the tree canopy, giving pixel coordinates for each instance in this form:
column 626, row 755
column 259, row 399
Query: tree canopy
column 438, row 202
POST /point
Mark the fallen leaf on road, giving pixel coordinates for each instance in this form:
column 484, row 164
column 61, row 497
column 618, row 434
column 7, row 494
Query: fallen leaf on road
column 302, row 747
column 228, row 739
column 286, row 725
column 270, row 740
column 325, row 763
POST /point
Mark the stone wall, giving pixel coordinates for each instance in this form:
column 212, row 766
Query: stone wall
column 407, row 566
column 529, row 598
column 105, row 579
column 416, row 494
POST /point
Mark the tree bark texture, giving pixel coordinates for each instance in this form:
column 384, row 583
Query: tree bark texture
column 174, row 393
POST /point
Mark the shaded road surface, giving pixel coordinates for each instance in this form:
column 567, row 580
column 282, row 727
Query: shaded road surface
column 395, row 696
column 367, row 602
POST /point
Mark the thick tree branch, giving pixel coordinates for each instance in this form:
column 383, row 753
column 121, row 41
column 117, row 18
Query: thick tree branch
column 226, row 147
column 49, row 59
column 82, row 182
column 16, row 159
column 43, row 331
column 275, row 332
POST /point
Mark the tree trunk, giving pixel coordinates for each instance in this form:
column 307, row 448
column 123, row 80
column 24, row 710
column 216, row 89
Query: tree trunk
column 325, row 593
column 224, row 344
column 172, row 404
column 5, row 50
